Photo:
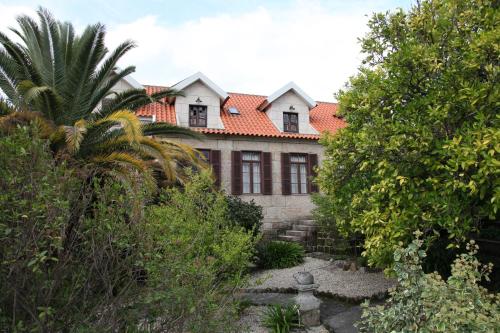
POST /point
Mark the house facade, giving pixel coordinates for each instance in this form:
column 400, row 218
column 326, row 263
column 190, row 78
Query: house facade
column 263, row 148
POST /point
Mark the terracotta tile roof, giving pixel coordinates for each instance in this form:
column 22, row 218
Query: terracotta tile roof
column 323, row 120
column 163, row 112
column 250, row 121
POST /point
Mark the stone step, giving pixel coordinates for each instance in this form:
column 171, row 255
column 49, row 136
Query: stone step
column 306, row 222
column 297, row 233
column 288, row 238
column 304, row 227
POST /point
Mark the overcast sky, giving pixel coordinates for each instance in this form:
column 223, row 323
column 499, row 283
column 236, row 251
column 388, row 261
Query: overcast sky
column 248, row 46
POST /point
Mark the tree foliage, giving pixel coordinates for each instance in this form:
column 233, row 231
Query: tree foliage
column 421, row 150
column 59, row 78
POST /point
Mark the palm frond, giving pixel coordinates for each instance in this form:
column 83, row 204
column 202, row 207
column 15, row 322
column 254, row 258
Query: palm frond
column 102, row 89
column 165, row 129
column 6, row 108
column 161, row 156
column 45, row 99
column 129, row 121
column 121, row 159
column 74, row 135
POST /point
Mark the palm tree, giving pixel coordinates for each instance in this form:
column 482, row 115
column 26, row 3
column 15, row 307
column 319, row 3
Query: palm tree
column 60, row 78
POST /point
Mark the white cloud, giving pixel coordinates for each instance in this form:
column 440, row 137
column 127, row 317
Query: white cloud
column 8, row 15
column 254, row 52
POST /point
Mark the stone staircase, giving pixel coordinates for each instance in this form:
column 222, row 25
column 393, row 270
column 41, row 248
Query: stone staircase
column 301, row 231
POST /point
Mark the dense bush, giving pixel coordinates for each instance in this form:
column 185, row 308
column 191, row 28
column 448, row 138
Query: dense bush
column 59, row 269
column 204, row 258
column 246, row 214
column 278, row 254
column 427, row 303
column 421, row 149
column 114, row 270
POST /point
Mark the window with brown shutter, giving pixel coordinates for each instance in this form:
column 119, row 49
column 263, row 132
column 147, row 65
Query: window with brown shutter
column 205, row 153
column 251, row 171
column 290, row 122
column 236, row 184
column 267, row 162
column 313, row 163
column 285, row 173
column 212, row 157
column 297, row 171
column 197, row 115
column 216, row 166
column 298, row 174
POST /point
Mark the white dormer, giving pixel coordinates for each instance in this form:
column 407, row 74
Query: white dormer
column 288, row 108
column 126, row 83
column 201, row 104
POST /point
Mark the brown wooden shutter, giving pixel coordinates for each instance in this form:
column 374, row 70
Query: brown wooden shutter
column 313, row 163
column 267, row 162
column 236, row 176
column 215, row 162
column 285, row 174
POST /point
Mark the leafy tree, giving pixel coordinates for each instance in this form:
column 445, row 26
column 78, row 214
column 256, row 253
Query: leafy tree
column 60, row 78
column 421, row 149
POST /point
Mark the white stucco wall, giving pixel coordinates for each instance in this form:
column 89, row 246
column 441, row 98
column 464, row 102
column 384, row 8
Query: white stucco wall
column 208, row 98
column 121, row 86
column 282, row 104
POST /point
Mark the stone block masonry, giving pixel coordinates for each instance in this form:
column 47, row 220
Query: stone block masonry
column 278, row 209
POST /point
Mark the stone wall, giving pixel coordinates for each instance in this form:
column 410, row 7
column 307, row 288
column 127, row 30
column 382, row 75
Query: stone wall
column 278, row 209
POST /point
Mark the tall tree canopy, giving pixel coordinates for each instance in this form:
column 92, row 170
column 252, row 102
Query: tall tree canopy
column 60, row 78
column 421, row 150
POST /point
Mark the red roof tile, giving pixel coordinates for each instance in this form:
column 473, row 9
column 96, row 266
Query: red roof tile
column 250, row 121
column 164, row 112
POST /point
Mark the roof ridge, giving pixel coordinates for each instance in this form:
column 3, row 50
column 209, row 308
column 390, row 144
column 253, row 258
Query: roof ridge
column 335, row 103
column 247, row 94
column 155, row 85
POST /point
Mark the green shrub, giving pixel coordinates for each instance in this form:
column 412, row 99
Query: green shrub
column 246, row 214
column 282, row 319
column 427, row 303
column 278, row 254
column 204, row 258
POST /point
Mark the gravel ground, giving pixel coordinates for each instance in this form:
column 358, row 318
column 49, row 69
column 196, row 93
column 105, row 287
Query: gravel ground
column 332, row 280
column 251, row 318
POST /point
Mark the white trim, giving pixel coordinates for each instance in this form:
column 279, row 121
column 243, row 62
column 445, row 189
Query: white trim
column 199, row 76
column 130, row 80
column 291, row 86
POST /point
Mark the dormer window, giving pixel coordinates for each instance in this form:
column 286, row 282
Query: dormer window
column 290, row 122
column 198, row 116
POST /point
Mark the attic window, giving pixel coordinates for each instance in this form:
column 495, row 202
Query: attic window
column 290, row 122
column 233, row 110
column 198, row 115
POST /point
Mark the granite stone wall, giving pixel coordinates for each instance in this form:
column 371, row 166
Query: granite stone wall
column 279, row 210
